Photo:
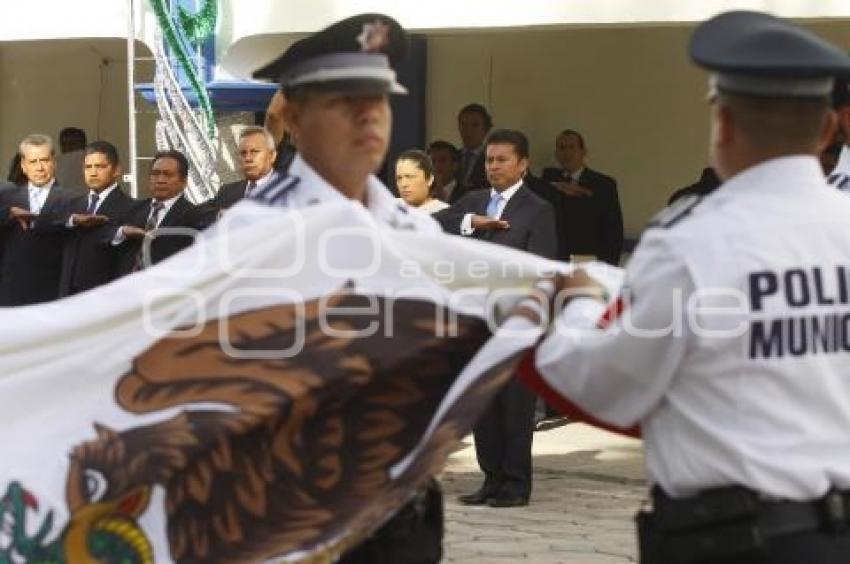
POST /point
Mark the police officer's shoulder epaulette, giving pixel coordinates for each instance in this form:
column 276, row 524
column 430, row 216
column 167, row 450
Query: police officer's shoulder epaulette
column 675, row 212
column 273, row 192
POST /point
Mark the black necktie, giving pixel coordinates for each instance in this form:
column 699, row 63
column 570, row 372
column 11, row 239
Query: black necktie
column 250, row 188
column 93, row 198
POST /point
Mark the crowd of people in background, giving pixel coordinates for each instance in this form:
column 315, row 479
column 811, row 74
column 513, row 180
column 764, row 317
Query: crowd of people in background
column 66, row 226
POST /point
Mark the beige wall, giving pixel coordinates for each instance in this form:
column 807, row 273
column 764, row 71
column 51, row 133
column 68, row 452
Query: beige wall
column 52, row 84
column 631, row 91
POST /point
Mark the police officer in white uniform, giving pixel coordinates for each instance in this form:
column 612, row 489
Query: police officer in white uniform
column 732, row 351
column 335, row 84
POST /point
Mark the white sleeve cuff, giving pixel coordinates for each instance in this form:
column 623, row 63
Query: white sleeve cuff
column 466, row 225
column 119, row 237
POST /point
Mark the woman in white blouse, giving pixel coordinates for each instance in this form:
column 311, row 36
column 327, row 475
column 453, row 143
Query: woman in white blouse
column 414, row 177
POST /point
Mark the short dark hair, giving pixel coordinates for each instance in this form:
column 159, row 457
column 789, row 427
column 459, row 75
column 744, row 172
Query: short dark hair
column 480, row 110
column 778, row 125
column 510, row 137
column 105, row 148
column 445, row 146
column 421, row 158
column 182, row 162
column 578, row 136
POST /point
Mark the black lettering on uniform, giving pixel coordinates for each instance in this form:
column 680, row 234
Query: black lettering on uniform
column 797, row 346
column 821, row 332
column 845, row 331
column 762, row 284
column 804, row 297
column 842, row 284
column 820, row 295
column 766, row 345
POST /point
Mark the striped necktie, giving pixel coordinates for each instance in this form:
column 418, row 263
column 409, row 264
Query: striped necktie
column 93, row 199
column 153, row 218
column 150, row 225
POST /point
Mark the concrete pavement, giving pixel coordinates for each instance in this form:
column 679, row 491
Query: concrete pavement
column 587, row 486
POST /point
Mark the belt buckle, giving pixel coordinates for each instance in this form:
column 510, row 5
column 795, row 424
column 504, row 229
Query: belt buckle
column 834, row 507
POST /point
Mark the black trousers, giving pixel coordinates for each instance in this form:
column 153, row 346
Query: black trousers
column 414, row 535
column 503, row 436
column 814, row 547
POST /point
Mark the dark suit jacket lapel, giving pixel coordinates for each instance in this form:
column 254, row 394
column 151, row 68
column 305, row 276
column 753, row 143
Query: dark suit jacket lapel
column 53, row 197
column 175, row 213
column 515, row 202
column 484, row 199
column 21, row 197
column 107, row 208
column 586, row 179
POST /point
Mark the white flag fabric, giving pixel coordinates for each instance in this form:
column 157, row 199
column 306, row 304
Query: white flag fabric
column 274, row 392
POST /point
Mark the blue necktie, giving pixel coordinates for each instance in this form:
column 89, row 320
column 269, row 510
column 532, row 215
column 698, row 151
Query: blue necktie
column 493, row 206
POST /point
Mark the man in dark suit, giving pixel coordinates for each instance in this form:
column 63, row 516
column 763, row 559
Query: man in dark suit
column 168, row 208
column 510, row 214
column 473, row 123
column 590, row 207
column 256, row 158
column 31, row 225
column 89, row 258
column 446, row 160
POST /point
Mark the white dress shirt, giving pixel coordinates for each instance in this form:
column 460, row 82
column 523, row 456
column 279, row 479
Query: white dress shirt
column 38, row 195
column 732, row 395
column 431, row 206
column 100, row 198
column 574, row 176
column 167, row 205
column 259, row 183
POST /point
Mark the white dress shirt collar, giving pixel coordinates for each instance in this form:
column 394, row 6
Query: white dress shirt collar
column 101, row 196
column 507, row 193
column 574, row 175
column 47, row 186
column 38, row 195
column 260, row 181
column 166, row 206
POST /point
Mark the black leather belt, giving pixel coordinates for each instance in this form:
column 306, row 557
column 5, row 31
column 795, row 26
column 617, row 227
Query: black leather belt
column 771, row 518
column 829, row 513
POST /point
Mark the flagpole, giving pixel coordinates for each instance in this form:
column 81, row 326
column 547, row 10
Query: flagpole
column 130, row 176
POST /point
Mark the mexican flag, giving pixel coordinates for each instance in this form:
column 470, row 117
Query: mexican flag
column 276, row 391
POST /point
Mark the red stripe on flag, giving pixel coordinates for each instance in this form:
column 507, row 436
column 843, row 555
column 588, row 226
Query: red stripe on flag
column 528, row 373
column 614, row 311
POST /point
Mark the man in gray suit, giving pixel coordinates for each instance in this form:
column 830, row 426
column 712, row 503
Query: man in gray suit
column 256, row 158
column 509, row 214
column 31, row 227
